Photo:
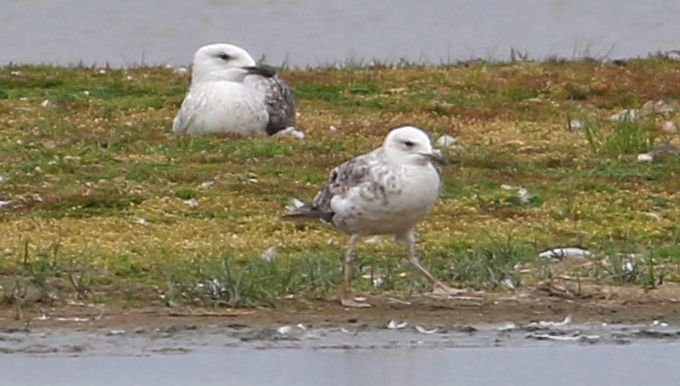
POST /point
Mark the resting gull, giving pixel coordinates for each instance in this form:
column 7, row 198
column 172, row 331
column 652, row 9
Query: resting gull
column 230, row 94
column 384, row 192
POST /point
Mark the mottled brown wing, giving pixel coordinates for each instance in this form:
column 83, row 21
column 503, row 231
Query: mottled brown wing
column 343, row 178
column 278, row 99
column 280, row 106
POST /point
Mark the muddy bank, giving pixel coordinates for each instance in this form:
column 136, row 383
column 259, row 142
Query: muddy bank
column 526, row 340
column 395, row 334
column 629, row 305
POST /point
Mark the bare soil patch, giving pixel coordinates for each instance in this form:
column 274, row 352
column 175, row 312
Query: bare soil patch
column 546, row 302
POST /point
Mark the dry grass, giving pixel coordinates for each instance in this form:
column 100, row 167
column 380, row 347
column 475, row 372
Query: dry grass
column 97, row 183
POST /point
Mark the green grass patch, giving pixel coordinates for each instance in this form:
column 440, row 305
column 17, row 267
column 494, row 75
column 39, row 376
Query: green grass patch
column 145, row 216
column 626, row 136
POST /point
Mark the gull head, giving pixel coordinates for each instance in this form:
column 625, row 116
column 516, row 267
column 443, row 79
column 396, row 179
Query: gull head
column 411, row 145
column 214, row 61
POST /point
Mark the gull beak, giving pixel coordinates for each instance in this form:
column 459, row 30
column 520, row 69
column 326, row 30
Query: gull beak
column 262, row 70
column 436, row 155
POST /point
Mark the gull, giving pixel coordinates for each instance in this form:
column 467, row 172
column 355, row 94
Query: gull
column 384, row 192
column 230, row 94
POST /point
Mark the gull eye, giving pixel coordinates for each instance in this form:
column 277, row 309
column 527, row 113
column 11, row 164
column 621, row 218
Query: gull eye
column 224, row 56
column 409, row 144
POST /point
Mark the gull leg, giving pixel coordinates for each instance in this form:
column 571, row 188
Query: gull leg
column 438, row 287
column 346, row 297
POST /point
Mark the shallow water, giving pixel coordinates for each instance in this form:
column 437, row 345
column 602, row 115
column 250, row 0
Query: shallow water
column 552, row 353
column 652, row 364
column 306, row 32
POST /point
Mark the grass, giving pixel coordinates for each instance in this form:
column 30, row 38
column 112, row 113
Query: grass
column 627, row 136
column 107, row 205
column 228, row 281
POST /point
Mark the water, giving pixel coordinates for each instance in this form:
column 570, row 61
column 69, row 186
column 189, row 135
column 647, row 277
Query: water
column 556, row 366
column 307, row 32
column 553, row 353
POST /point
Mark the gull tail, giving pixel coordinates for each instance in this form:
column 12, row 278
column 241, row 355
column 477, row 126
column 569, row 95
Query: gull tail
column 305, row 215
column 299, row 211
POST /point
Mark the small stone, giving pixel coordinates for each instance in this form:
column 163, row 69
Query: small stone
column 559, row 253
column 657, row 107
column 645, row 157
column 507, row 327
column 628, row 266
column 297, row 134
column 181, row 70
column 394, row 325
column 524, row 196
column 423, row 330
column 625, row 115
column 669, row 127
column 654, row 215
column 141, row 221
column 374, row 240
column 446, row 141
column 294, row 205
column 291, row 132
column 508, row 283
column 575, row 124
column 270, row 254
column 192, row 202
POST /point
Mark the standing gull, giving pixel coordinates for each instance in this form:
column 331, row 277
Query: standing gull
column 384, row 192
column 230, row 94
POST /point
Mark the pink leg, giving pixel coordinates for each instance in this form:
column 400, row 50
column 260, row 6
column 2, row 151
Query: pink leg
column 438, row 288
column 346, row 297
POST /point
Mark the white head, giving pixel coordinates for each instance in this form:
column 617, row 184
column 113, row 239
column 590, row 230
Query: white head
column 410, row 145
column 215, row 61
